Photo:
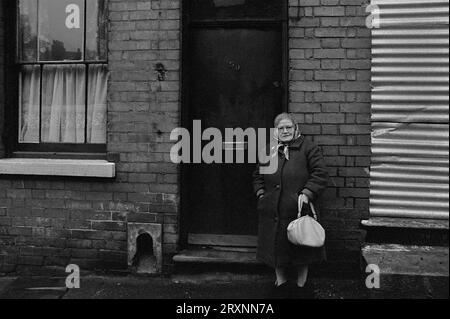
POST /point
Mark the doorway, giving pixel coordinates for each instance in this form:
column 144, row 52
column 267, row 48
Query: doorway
column 234, row 76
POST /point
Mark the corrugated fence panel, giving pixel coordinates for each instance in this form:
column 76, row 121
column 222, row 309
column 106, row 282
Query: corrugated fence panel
column 410, row 105
column 410, row 171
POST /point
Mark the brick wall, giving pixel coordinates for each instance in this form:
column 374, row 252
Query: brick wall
column 329, row 60
column 143, row 110
column 57, row 221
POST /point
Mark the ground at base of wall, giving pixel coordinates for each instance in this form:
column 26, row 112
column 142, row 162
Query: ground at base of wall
column 133, row 287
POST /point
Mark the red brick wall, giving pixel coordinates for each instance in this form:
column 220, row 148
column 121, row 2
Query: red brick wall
column 57, row 221
column 329, row 60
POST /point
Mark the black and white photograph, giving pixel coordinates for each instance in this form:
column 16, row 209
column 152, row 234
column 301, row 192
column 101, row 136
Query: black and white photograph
column 229, row 157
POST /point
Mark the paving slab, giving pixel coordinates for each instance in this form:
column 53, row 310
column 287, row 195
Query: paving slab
column 35, row 288
column 5, row 282
column 223, row 287
column 203, row 288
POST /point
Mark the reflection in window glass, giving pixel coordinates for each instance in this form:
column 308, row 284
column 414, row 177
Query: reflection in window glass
column 63, row 103
column 96, row 30
column 27, row 30
column 61, row 30
column 29, row 104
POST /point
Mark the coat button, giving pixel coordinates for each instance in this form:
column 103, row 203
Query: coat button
column 277, row 186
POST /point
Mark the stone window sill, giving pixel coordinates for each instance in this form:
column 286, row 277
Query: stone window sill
column 57, row 167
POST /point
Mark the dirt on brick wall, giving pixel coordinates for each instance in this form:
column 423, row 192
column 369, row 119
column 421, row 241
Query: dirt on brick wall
column 329, row 61
column 57, row 221
column 144, row 107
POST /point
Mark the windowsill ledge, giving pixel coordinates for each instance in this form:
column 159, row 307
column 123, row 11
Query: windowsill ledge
column 57, row 167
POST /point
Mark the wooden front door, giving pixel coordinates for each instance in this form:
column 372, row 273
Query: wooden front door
column 233, row 73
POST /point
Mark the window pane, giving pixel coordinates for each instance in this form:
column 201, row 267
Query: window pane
column 96, row 119
column 63, row 104
column 27, row 30
column 61, row 30
column 96, row 30
column 235, row 9
column 29, row 104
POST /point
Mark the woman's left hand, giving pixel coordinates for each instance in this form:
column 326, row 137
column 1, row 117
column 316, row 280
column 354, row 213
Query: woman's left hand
column 304, row 199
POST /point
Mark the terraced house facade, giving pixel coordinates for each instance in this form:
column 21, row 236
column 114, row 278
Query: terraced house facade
column 90, row 91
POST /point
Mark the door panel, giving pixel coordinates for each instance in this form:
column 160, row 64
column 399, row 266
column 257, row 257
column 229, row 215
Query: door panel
column 235, row 77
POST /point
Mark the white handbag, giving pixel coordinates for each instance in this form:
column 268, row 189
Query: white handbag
column 305, row 230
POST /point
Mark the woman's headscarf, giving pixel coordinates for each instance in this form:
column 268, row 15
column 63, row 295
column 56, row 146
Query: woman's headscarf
column 281, row 144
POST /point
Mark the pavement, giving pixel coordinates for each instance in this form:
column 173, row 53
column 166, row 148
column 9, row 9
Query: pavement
column 204, row 286
column 221, row 286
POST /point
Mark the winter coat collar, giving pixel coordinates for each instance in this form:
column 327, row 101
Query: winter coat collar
column 298, row 142
column 284, row 148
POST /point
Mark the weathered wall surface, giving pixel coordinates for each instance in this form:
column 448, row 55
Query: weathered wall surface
column 329, row 61
column 57, row 221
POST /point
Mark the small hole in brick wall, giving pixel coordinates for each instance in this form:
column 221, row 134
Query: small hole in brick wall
column 144, row 261
column 159, row 132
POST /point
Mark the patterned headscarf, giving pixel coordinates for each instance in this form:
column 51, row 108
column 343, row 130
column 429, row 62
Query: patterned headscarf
column 281, row 144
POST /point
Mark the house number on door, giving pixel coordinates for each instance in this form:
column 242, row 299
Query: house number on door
column 73, row 17
column 234, row 66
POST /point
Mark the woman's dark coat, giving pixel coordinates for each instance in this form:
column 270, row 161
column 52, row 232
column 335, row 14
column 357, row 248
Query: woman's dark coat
column 305, row 172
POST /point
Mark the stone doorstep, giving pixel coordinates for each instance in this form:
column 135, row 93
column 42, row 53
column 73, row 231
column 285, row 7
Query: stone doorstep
column 393, row 259
column 386, row 222
column 220, row 277
column 216, row 257
column 211, row 265
column 406, row 231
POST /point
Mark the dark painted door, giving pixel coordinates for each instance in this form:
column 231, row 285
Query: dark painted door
column 235, row 80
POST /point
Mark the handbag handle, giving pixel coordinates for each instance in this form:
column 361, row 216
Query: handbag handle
column 300, row 206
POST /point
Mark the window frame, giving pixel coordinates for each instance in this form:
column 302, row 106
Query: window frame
column 43, row 149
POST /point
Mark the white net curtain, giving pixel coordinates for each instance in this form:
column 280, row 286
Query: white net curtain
column 63, row 104
column 62, row 53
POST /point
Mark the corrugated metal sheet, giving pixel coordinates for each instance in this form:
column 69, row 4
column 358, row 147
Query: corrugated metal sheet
column 410, row 105
column 410, row 171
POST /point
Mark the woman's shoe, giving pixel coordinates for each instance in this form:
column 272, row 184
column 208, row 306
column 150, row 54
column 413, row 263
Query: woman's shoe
column 282, row 291
column 305, row 292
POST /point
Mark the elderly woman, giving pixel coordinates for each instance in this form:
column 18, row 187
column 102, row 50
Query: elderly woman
column 301, row 174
